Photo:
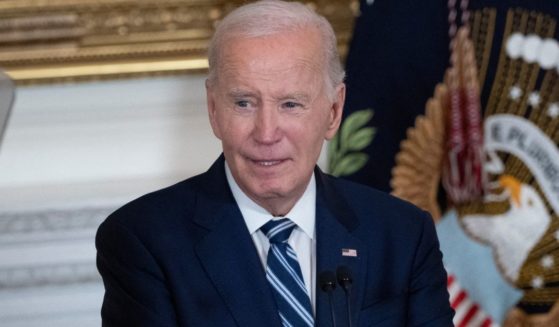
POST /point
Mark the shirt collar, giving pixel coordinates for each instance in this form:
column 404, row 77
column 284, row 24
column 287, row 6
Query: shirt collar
column 302, row 214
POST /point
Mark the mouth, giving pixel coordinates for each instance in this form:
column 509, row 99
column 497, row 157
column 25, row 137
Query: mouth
column 267, row 162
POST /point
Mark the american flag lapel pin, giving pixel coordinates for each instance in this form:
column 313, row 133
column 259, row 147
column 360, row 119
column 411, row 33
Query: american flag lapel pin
column 349, row 252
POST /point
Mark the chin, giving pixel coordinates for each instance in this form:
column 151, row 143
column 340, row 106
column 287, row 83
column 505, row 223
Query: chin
column 270, row 192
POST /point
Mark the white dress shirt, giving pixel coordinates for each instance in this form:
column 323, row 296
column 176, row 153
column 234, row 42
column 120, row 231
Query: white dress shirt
column 302, row 239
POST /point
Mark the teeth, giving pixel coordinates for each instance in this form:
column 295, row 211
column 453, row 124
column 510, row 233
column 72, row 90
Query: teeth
column 268, row 163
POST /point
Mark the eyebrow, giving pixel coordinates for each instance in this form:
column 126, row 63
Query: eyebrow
column 238, row 93
column 296, row 96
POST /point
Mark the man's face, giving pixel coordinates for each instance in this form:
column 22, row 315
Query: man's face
column 271, row 110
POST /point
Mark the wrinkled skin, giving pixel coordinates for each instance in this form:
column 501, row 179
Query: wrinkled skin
column 272, row 109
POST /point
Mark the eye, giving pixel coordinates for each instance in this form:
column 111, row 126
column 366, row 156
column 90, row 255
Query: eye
column 242, row 104
column 291, row 105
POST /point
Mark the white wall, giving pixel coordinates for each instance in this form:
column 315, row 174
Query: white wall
column 71, row 155
column 68, row 143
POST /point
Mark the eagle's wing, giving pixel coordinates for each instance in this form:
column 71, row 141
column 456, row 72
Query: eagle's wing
column 417, row 172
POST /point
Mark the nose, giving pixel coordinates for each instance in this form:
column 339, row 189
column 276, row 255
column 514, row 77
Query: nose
column 267, row 126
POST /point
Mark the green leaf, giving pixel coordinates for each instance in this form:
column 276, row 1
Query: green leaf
column 353, row 136
column 352, row 123
column 350, row 164
column 361, row 139
column 333, row 152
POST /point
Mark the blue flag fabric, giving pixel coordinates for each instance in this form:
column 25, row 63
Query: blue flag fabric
column 399, row 52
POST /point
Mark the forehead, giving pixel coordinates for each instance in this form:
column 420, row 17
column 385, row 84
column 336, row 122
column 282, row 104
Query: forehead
column 291, row 53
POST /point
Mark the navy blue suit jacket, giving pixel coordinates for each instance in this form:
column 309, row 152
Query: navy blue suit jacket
column 182, row 256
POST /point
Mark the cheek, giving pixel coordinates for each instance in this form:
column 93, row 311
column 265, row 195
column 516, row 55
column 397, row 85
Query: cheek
column 319, row 127
column 234, row 132
column 309, row 138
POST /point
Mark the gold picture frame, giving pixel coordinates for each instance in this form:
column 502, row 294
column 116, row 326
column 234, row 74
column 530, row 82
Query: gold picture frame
column 46, row 41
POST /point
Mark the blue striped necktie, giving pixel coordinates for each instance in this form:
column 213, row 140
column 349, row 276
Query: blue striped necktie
column 284, row 275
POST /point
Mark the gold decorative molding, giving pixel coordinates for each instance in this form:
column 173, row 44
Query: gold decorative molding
column 44, row 41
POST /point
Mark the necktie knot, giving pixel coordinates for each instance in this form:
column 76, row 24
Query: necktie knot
column 278, row 231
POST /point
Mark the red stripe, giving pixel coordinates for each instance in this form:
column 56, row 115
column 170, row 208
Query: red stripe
column 486, row 323
column 461, row 296
column 473, row 310
column 450, row 280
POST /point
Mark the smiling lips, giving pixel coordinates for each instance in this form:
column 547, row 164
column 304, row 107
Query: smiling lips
column 268, row 163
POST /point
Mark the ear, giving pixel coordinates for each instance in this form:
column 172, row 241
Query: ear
column 336, row 111
column 212, row 109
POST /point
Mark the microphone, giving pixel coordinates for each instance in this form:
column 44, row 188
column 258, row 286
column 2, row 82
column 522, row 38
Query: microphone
column 327, row 282
column 345, row 280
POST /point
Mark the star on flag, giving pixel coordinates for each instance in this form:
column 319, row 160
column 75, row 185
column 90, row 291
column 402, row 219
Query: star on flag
column 515, row 93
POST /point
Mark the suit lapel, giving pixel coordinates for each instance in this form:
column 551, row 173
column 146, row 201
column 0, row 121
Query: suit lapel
column 241, row 280
column 228, row 255
column 335, row 222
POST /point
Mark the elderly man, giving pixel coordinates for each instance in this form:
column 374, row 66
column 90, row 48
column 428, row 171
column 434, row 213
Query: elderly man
column 254, row 241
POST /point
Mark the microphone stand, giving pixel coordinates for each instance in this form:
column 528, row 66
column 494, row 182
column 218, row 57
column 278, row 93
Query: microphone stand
column 327, row 280
column 345, row 280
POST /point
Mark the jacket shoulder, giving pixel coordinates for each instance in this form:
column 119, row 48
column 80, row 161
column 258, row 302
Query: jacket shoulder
column 160, row 209
column 363, row 196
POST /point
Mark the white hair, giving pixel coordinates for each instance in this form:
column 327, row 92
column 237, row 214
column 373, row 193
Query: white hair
column 268, row 17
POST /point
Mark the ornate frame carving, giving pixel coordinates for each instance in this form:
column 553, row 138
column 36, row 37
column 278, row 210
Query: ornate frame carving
column 43, row 41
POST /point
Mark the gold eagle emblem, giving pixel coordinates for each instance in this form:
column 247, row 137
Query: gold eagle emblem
column 516, row 214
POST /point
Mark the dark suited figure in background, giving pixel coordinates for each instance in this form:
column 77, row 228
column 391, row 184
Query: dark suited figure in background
column 205, row 252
